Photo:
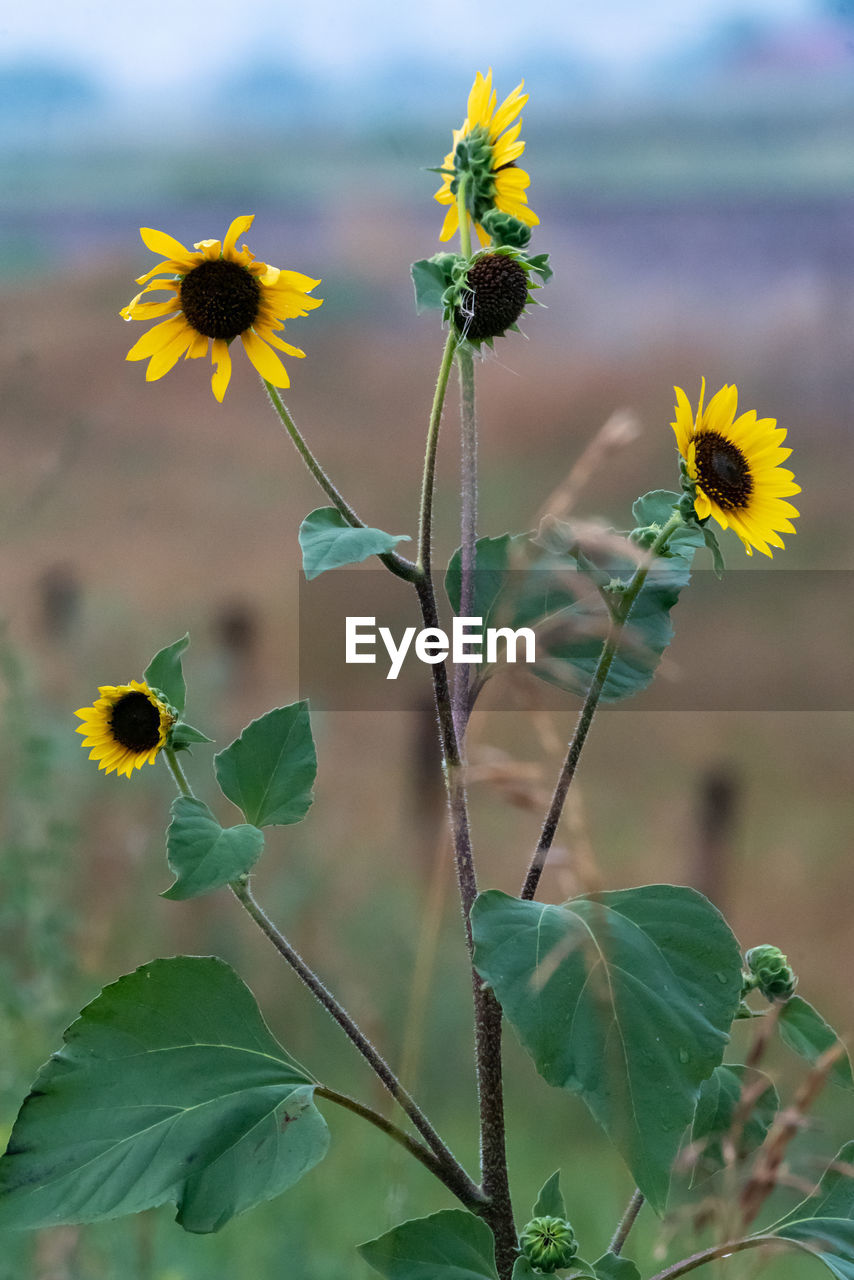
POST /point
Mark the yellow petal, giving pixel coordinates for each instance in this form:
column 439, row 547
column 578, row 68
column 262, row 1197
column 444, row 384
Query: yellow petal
column 265, row 361
column 221, row 357
column 157, row 338
column 237, row 228
column 160, row 242
column 162, row 361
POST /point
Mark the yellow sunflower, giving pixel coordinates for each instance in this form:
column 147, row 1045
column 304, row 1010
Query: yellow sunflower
column 126, row 727
column 735, row 466
column 493, row 148
column 218, row 293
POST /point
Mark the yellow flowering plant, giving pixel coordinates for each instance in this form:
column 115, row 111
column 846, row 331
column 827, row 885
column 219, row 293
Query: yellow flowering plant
column 171, row 1087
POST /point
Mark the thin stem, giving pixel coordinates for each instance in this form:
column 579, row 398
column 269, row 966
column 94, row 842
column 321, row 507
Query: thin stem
column 398, row 564
column 415, row 1148
column 463, row 216
column 627, row 1221
column 723, row 1251
column 243, row 893
column 428, row 482
column 619, row 617
column 468, row 530
column 174, row 766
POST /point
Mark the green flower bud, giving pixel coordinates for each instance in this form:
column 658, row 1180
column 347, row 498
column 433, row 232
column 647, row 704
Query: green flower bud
column 771, row 972
column 548, row 1243
column 504, row 229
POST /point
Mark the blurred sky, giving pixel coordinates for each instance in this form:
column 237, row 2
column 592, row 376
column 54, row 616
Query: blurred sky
column 167, row 44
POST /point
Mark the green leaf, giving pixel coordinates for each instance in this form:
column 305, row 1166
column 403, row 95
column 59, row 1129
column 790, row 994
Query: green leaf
column 655, row 507
column 834, row 1195
column 540, row 263
column 522, row 1269
column 830, row 1240
column 269, row 771
column 720, row 1098
column 329, row 542
column 550, row 1202
column 169, row 1086
column 184, row 736
column 805, row 1031
column 204, row 856
column 613, row 1267
column 711, row 540
column 164, row 672
column 431, row 277
column 491, row 567
column 625, row 998
column 450, row 1245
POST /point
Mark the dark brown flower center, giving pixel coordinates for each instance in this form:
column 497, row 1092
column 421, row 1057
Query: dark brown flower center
column 220, row 299
column 723, row 472
column 497, row 290
column 135, row 722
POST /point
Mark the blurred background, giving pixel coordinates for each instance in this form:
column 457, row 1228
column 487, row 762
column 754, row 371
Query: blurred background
column 693, row 170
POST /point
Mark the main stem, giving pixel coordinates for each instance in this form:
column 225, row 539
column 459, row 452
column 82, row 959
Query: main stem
column 498, row 1212
column 468, row 528
column 454, row 1176
column 620, row 613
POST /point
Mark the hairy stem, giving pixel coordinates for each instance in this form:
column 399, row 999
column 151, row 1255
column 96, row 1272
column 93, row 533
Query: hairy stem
column 627, row 1221
column 620, row 613
column 469, row 1195
column 723, row 1251
column 398, row 564
column 468, row 530
column 428, row 482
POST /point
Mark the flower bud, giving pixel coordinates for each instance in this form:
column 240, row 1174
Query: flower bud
column 504, row 229
column 548, row 1243
column 771, row 972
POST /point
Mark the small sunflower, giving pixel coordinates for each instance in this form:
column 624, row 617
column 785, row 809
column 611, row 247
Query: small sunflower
column 219, row 292
column 734, row 467
column 127, row 726
column 487, row 149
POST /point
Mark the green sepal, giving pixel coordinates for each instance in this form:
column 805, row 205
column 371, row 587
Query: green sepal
column 612, row 1266
column 164, row 673
column 625, row 998
column 805, row 1031
column 204, row 856
column 169, row 1086
column 449, row 1245
column 183, row 736
column 717, row 1106
column 540, row 264
column 269, row 770
column 329, row 542
column 711, row 540
column 550, row 1202
column 430, row 278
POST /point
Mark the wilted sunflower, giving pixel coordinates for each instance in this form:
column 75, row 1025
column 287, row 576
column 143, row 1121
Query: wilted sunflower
column 735, row 466
column 489, row 156
column 126, row 727
column 219, row 292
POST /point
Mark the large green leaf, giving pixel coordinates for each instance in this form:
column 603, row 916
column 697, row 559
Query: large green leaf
column 834, row 1195
column 450, row 1245
column 269, row 771
column 830, row 1240
column 329, row 542
column 625, row 998
column 803, row 1029
column 202, row 854
column 169, row 1086
column 164, row 672
column 717, row 1106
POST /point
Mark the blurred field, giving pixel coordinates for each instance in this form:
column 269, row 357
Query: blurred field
column 134, row 512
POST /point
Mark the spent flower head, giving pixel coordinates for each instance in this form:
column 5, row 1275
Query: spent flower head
column 485, row 150
column 218, row 293
column 732, row 468
column 126, row 727
column 489, row 293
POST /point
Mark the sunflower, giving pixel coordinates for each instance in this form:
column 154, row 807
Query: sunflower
column 219, row 292
column 489, row 154
column 734, row 466
column 126, row 727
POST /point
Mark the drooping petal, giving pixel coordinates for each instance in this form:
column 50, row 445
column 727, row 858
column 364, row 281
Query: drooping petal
column 238, row 228
column 265, row 361
column 162, row 243
column 222, row 359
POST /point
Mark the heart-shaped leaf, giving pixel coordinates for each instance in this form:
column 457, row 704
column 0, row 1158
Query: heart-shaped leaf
column 169, row 1086
column 625, row 998
column 269, row 771
column 450, row 1245
column 202, row 854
